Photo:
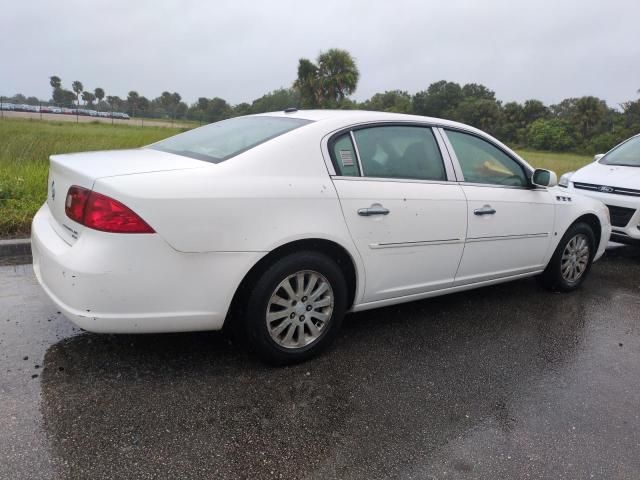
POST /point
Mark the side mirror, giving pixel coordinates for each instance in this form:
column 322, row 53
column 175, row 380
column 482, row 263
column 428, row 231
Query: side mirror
column 598, row 157
column 544, row 178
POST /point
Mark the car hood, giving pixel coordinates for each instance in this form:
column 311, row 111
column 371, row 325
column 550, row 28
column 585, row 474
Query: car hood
column 609, row 175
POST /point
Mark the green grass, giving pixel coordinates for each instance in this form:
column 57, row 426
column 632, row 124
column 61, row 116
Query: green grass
column 25, row 146
column 558, row 162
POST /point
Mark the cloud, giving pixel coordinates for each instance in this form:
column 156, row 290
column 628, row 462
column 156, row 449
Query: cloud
column 240, row 49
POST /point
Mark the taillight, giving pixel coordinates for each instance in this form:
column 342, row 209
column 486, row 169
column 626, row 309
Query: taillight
column 97, row 211
column 75, row 202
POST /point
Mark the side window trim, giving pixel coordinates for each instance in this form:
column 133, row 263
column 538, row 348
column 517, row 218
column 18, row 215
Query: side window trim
column 355, row 147
column 445, row 152
column 458, row 168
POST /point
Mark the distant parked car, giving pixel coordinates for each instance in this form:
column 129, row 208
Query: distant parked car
column 67, row 111
column 287, row 220
column 7, row 106
column 55, row 109
column 103, row 114
column 614, row 178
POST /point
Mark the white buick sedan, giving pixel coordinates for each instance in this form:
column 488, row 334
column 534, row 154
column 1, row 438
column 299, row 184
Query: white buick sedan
column 278, row 224
column 614, row 178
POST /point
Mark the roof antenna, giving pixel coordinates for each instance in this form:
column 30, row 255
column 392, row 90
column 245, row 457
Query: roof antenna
column 290, row 110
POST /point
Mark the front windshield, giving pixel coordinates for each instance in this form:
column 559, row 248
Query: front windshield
column 222, row 140
column 627, row 154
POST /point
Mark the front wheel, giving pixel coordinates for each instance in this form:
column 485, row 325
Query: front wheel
column 571, row 262
column 295, row 308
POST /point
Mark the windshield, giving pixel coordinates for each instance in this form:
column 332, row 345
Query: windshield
column 222, row 140
column 627, row 154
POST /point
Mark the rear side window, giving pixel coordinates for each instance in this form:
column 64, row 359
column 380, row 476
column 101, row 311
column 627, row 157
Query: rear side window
column 407, row 152
column 222, row 140
column 344, row 154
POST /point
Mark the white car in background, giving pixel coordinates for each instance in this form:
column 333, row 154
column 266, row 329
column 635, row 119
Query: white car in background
column 614, row 179
column 280, row 223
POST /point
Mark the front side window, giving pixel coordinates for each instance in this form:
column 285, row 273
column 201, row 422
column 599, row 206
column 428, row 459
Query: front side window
column 627, row 154
column 222, row 140
column 399, row 152
column 482, row 162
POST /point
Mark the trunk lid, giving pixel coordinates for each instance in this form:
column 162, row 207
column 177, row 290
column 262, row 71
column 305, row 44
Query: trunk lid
column 83, row 169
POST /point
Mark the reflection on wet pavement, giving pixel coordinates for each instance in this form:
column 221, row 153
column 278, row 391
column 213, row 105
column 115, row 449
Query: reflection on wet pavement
column 504, row 382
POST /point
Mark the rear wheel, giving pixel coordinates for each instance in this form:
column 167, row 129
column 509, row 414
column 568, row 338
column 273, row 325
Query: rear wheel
column 295, row 308
column 571, row 262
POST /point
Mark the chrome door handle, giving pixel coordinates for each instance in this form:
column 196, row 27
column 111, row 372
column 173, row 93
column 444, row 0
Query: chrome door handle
column 373, row 210
column 486, row 210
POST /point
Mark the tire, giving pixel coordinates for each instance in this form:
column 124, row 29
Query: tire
column 290, row 325
column 553, row 277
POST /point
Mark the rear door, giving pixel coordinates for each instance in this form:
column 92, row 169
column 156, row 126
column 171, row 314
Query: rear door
column 406, row 215
column 510, row 222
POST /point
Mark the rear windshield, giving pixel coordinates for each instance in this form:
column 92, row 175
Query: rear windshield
column 627, row 154
column 222, row 140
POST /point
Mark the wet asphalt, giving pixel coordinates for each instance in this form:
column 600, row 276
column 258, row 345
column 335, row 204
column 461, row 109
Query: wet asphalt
column 507, row 381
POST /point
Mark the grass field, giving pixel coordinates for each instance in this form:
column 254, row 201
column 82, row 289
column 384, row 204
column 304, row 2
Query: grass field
column 25, row 146
column 558, row 162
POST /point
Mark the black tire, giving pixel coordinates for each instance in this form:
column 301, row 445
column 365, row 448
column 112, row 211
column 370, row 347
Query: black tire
column 254, row 317
column 552, row 278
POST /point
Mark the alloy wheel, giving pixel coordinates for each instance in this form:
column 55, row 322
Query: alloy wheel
column 300, row 309
column 575, row 258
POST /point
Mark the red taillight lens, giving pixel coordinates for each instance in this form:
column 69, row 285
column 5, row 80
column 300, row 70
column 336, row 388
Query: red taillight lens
column 103, row 213
column 75, row 202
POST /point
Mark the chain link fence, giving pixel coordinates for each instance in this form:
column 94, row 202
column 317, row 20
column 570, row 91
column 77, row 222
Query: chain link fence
column 101, row 113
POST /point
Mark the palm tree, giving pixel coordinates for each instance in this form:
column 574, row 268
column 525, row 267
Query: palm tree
column 132, row 100
column 307, row 84
column 338, row 74
column 55, row 82
column 99, row 93
column 328, row 82
column 88, row 98
column 78, row 88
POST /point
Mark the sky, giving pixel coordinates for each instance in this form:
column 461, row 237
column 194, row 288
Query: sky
column 238, row 50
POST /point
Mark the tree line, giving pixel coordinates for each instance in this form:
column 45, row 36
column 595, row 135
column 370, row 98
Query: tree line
column 584, row 124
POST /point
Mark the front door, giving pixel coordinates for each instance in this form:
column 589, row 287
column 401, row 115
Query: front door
column 407, row 219
column 510, row 223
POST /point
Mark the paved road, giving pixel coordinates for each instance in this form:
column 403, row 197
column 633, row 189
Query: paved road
column 504, row 382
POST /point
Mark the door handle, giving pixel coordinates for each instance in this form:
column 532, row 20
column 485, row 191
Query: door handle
column 373, row 210
column 486, row 210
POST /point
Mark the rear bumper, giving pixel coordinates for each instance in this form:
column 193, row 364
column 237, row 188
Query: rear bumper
column 118, row 283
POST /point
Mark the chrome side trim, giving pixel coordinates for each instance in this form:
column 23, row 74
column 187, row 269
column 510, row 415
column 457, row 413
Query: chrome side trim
column 506, row 237
column 448, row 241
column 452, row 241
